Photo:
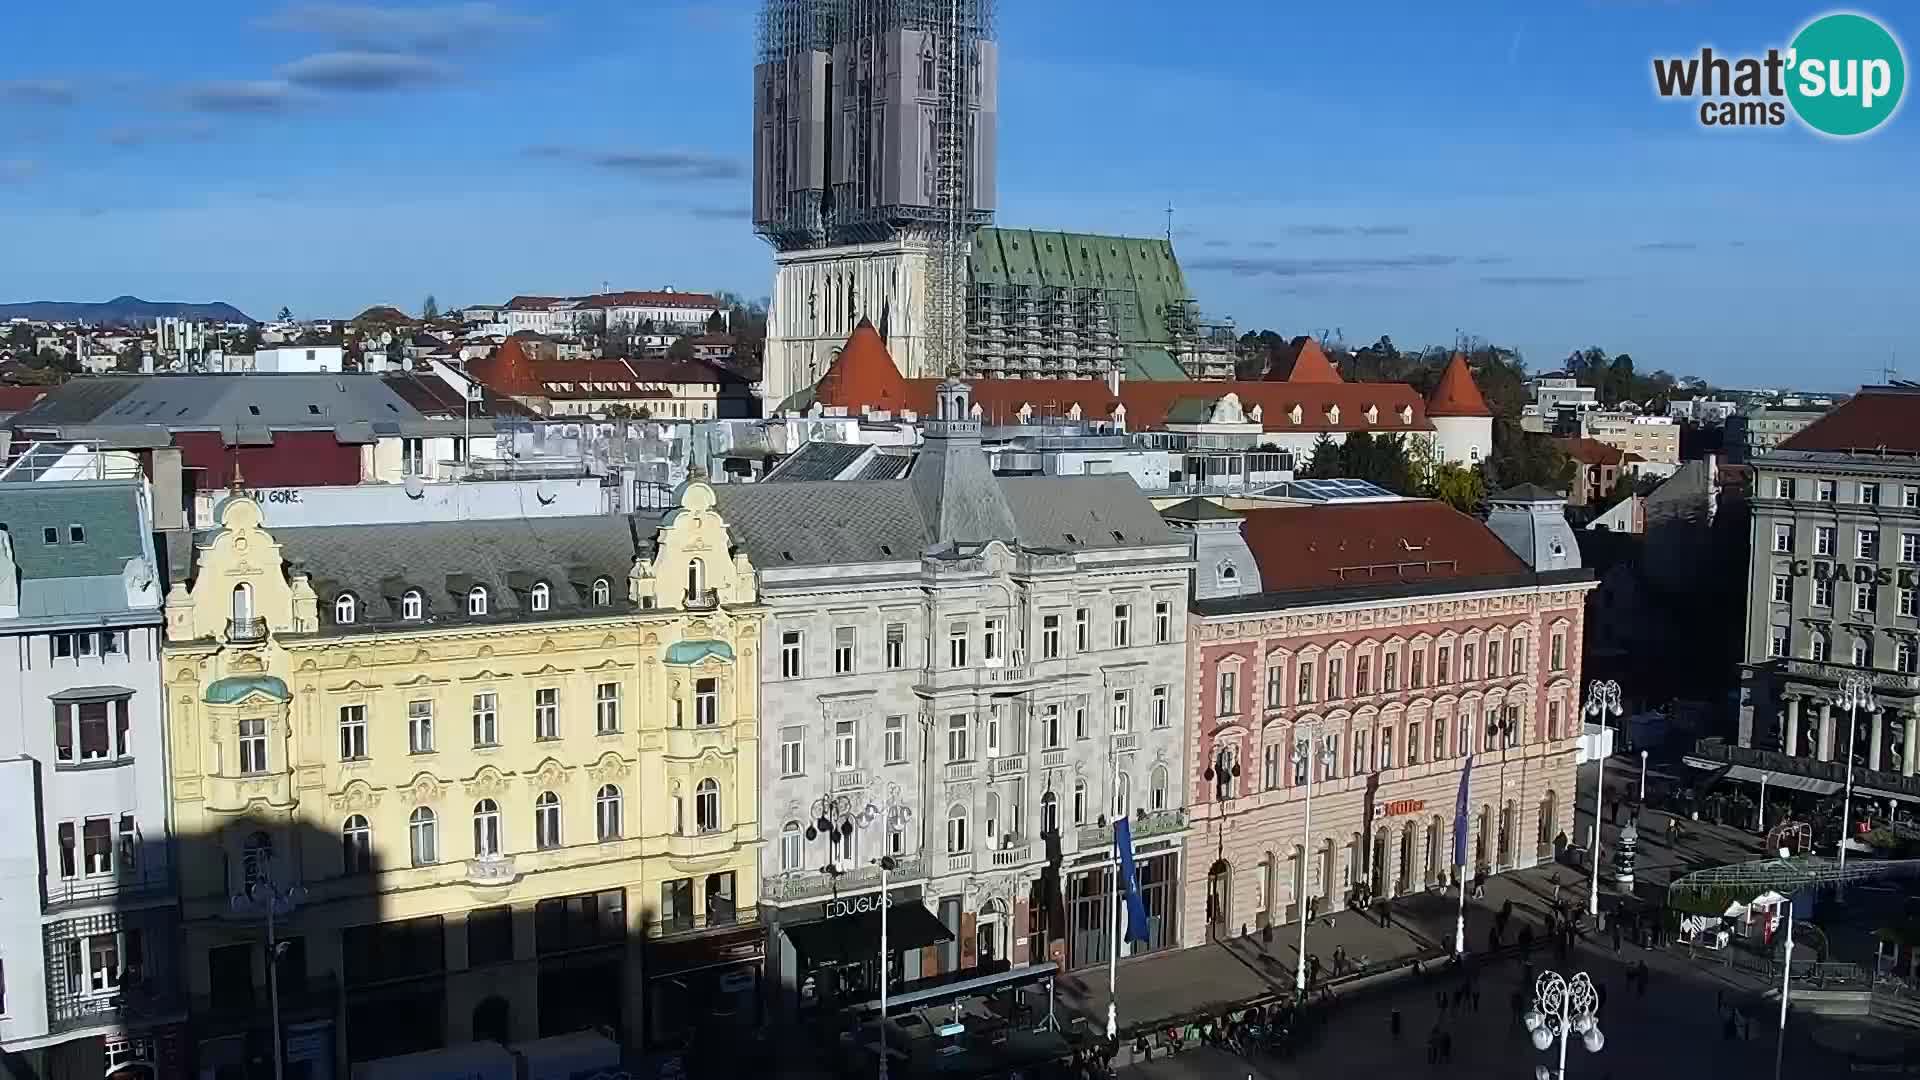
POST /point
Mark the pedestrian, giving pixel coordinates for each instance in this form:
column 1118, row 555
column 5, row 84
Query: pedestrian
column 1393, row 1023
column 1440, row 1000
column 1476, row 999
column 1720, row 999
column 1446, row 1047
column 1727, row 1029
column 1480, row 884
column 1616, row 937
column 1433, row 1044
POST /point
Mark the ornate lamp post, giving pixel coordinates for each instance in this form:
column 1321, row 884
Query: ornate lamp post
column 273, row 900
column 1856, row 693
column 1310, row 748
column 1563, row 1008
column 1603, row 700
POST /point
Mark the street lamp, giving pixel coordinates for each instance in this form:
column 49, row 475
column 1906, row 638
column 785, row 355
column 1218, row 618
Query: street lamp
column 1856, row 693
column 1762, row 830
column 1643, row 778
column 1562, row 1008
column 267, row 897
column 885, row 863
column 1305, row 756
column 1786, row 982
column 1603, row 700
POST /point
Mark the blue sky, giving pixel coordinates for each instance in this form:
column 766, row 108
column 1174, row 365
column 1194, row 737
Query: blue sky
column 1498, row 168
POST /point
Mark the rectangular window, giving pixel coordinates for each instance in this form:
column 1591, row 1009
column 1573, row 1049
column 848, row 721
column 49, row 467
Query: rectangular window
column 1122, row 711
column 253, row 745
column 845, row 752
column 1390, row 671
column 1783, row 538
column 896, row 740
column 96, row 841
column 1864, row 596
column 1330, row 769
column 1463, row 734
column 1869, row 494
column 1824, row 491
column 1049, row 637
column 1162, row 622
column 606, row 708
column 1363, row 676
column 1910, row 497
column 1080, row 730
column 1909, row 547
column 1906, row 601
column 1386, row 748
column 957, row 645
column 1161, row 694
column 1122, row 625
column 1276, row 686
column 843, row 647
column 420, row 727
column 1862, row 653
column 1783, row 488
column 792, row 763
column 353, row 732
column 1417, row 670
column 62, row 646
column 1823, row 540
column 1336, row 678
column 1359, row 753
column 1442, row 665
column 1081, row 620
column 1866, row 545
column 993, row 731
column 706, row 702
column 1553, row 719
column 1050, row 726
column 791, row 656
column 1493, row 659
column 1467, row 662
column 896, row 646
column 1782, row 589
column 993, row 645
column 1229, row 702
column 1303, row 683
column 1413, row 744
column 1823, row 592
column 486, row 719
column 1517, row 663
column 546, row 713
column 69, row 851
column 1439, row 738
column 1559, row 662
column 957, row 748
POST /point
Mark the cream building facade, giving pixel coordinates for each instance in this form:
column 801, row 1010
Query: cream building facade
column 491, row 770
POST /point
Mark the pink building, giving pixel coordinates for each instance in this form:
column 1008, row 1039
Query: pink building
column 1401, row 637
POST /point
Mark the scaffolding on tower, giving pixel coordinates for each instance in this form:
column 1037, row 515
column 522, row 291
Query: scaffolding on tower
column 957, row 28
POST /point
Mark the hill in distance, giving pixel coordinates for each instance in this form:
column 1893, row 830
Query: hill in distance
column 121, row 311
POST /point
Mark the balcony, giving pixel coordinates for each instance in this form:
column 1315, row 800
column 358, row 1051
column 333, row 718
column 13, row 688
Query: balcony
column 150, row 879
column 702, row 599
column 679, row 926
column 1053, row 759
column 1834, row 772
column 1832, row 673
column 1010, row 765
column 1125, row 742
column 1018, row 855
column 1158, row 823
column 693, row 742
column 150, row 1001
column 492, row 870
column 699, row 845
column 957, row 864
column 246, row 631
column 808, row 884
column 957, row 771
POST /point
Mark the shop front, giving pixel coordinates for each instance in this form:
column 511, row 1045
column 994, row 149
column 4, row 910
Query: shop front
column 1090, row 905
column 830, row 953
column 704, row 985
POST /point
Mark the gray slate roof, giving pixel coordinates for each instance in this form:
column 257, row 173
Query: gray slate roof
column 67, row 579
column 262, row 401
column 379, row 563
column 816, row 461
column 1528, row 493
column 1198, row 510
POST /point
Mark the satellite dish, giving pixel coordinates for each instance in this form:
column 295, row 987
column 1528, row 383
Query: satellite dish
column 415, row 489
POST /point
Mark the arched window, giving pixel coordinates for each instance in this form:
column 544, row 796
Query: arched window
column 486, row 829
column 1122, row 795
column 706, row 805
column 423, row 835
column 356, row 841
column 602, row 592
column 546, row 820
column 790, row 847
column 1225, row 576
column 1157, row 791
column 1079, row 802
column 956, row 829
column 344, row 609
column 413, row 606
column 1049, row 812
column 992, row 822
column 606, row 813
column 696, row 578
column 242, row 612
column 256, row 859
column 477, row 600
column 540, row 597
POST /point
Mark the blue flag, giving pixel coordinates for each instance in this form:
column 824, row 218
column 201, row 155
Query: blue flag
column 1136, row 904
column 1460, row 816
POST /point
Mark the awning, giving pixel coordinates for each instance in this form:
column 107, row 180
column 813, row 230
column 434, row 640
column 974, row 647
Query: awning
column 1791, row 781
column 855, row 937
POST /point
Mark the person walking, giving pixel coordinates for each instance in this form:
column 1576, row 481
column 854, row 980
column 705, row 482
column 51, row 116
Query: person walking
column 1476, row 999
column 1393, row 1024
column 1616, row 937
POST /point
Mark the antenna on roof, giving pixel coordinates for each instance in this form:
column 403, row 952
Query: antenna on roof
column 1169, row 222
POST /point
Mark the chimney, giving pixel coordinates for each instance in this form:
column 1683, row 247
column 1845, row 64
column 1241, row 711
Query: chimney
column 1113, row 378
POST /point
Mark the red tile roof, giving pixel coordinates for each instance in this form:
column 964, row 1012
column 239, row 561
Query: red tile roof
column 1345, row 546
column 508, row 370
column 703, row 301
column 1456, row 394
column 16, row 398
column 1877, row 418
column 864, row 375
column 1310, row 364
column 1592, row 451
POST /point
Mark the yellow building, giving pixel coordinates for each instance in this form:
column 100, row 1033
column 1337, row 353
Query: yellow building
column 500, row 773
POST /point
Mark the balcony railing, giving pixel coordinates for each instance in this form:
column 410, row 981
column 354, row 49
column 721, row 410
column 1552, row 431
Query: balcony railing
column 1019, row 855
column 1158, row 823
column 702, row 599
column 959, row 770
column 1125, row 741
column 492, row 870
column 152, row 876
column 1715, row 749
column 849, row 779
column 247, row 630
column 806, row 884
column 149, row 1001
column 675, row 926
column 961, row 863
column 1011, row 765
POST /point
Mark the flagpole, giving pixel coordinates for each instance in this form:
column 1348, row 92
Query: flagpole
column 1113, row 932
column 1460, row 858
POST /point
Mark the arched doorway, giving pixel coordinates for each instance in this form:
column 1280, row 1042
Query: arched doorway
column 1432, row 860
column 1482, row 838
column 1378, row 875
column 1509, row 819
column 492, row 1021
column 1219, row 900
column 989, row 933
column 1404, row 883
column 1319, row 901
column 1350, row 871
column 1543, row 836
column 1295, row 902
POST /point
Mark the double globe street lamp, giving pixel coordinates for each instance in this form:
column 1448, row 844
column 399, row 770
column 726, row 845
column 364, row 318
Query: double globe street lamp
column 1603, row 700
column 1856, row 694
column 1561, row 1009
column 1306, row 754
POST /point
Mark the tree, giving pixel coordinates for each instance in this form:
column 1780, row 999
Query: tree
column 130, row 358
column 429, row 308
column 716, row 323
column 1525, row 457
column 1324, row 461
column 285, row 314
column 1462, row 489
column 1377, row 459
column 626, row 412
column 681, row 349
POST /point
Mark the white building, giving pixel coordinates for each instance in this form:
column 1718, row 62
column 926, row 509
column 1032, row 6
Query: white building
column 311, row 359
column 88, row 916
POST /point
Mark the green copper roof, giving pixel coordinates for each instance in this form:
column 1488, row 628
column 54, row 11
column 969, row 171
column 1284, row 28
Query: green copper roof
column 231, row 689
column 692, row 652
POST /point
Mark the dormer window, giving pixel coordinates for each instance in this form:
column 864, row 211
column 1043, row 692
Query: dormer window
column 1294, row 415
column 1406, row 414
column 345, row 608
column 540, row 597
column 1225, row 576
column 1333, row 414
column 477, row 600
column 413, row 606
column 602, row 592
column 1373, row 414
